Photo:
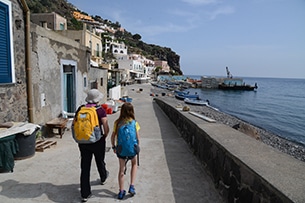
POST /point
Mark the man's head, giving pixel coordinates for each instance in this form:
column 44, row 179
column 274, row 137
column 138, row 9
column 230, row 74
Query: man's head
column 94, row 96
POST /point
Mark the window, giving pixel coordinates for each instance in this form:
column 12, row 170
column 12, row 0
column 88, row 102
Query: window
column 90, row 45
column 61, row 26
column 85, row 81
column 7, row 72
column 102, row 81
column 97, row 50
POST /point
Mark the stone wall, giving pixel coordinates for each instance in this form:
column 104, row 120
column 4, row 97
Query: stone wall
column 242, row 168
column 13, row 97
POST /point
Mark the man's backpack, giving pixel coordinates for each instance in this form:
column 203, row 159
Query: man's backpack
column 127, row 143
column 86, row 128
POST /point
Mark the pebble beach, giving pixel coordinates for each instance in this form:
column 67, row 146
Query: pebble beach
column 261, row 135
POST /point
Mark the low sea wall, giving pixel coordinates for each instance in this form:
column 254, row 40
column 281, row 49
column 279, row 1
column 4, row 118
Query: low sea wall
column 242, row 168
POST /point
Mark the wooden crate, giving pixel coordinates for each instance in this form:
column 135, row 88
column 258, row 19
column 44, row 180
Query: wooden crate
column 42, row 145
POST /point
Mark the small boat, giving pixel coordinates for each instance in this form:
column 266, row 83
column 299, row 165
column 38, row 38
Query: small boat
column 197, row 101
column 180, row 92
column 183, row 96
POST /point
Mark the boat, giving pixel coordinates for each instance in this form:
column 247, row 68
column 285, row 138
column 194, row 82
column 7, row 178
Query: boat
column 176, row 91
column 197, row 101
column 182, row 96
column 224, row 86
column 231, row 83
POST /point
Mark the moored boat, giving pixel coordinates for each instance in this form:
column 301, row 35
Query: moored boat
column 197, row 101
column 231, row 83
column 180, row 92
column 183, row 96
column 224, row 86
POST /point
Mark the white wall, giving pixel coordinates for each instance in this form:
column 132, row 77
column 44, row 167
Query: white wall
column 115, row 92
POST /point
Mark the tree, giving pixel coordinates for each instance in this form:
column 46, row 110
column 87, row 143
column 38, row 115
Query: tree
column 136, row 37
column 119, row 34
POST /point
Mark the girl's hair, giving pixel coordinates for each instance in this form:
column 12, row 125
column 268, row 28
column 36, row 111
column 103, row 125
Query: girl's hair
column 127, row 112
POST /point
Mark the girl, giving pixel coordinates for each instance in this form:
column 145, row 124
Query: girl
column 126, row 115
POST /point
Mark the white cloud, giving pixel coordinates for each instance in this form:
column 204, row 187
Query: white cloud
column 200, row 2
column 158, row 29
column 222, row 11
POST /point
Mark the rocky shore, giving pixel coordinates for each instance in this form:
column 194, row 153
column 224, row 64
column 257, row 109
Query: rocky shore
column 291, row 148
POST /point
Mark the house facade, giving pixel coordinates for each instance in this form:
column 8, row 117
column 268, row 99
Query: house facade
column 60, row 74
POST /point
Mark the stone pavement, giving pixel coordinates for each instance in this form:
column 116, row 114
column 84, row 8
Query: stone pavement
column 168, row 171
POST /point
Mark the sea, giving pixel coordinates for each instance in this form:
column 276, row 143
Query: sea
column 277, row 105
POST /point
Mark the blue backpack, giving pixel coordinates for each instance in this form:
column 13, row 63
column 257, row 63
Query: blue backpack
column 127, row 143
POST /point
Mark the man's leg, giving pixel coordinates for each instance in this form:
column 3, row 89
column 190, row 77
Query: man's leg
column 86, row 157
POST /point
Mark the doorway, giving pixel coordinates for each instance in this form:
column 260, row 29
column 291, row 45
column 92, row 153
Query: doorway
column 69, row 93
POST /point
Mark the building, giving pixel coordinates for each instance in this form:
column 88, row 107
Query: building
column 119, row 48
column 51, row 21
column 164, row 66
column 90, row 38
column 133, row 66
column 79, row 16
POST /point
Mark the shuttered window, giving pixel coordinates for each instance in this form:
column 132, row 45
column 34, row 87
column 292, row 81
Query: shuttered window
column 6, row 58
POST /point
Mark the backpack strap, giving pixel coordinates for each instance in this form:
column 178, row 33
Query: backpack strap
column 96, row 108
column 138, row 157
column 126, row 160
column 78, row 109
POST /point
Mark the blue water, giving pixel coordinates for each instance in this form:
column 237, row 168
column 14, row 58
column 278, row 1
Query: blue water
column 278, row 105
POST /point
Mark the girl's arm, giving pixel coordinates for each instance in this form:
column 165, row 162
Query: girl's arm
column 113, row 135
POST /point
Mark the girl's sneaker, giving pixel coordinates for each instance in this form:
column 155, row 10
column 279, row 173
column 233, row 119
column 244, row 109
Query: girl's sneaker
column 132, row 190
column 121, row 194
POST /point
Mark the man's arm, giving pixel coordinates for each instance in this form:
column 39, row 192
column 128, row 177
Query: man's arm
column 105, row 126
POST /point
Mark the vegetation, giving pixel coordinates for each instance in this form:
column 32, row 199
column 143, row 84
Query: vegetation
column 133, row 41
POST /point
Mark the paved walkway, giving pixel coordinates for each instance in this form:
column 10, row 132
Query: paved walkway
column 168, row 171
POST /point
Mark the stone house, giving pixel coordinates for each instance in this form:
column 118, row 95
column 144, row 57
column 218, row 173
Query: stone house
column 43, row 75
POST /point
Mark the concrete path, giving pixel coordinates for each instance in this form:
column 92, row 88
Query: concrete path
column 168, row 171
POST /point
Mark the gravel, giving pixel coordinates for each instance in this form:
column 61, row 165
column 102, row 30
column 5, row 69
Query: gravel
column 291, row 148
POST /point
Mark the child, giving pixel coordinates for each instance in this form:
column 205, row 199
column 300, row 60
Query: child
column 126, row 116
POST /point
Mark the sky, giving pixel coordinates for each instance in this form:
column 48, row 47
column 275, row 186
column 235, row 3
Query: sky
column 253, row 38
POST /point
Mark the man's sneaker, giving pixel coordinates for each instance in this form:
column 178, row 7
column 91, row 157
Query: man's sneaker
column 104, row 182
column 132, row 190
column 86, row 199
column 121, row 194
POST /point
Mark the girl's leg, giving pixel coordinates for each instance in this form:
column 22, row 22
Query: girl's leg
column 121, row 173
column 133, row 171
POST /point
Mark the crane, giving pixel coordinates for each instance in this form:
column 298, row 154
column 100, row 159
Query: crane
column 229, row 75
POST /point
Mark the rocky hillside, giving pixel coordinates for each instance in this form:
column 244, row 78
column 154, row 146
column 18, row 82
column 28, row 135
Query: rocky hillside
column 133, row 41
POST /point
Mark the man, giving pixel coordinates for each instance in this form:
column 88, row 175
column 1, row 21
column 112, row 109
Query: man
column 97, row 149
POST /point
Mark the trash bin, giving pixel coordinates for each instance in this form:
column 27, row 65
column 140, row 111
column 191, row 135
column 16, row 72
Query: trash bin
column 27, row 144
